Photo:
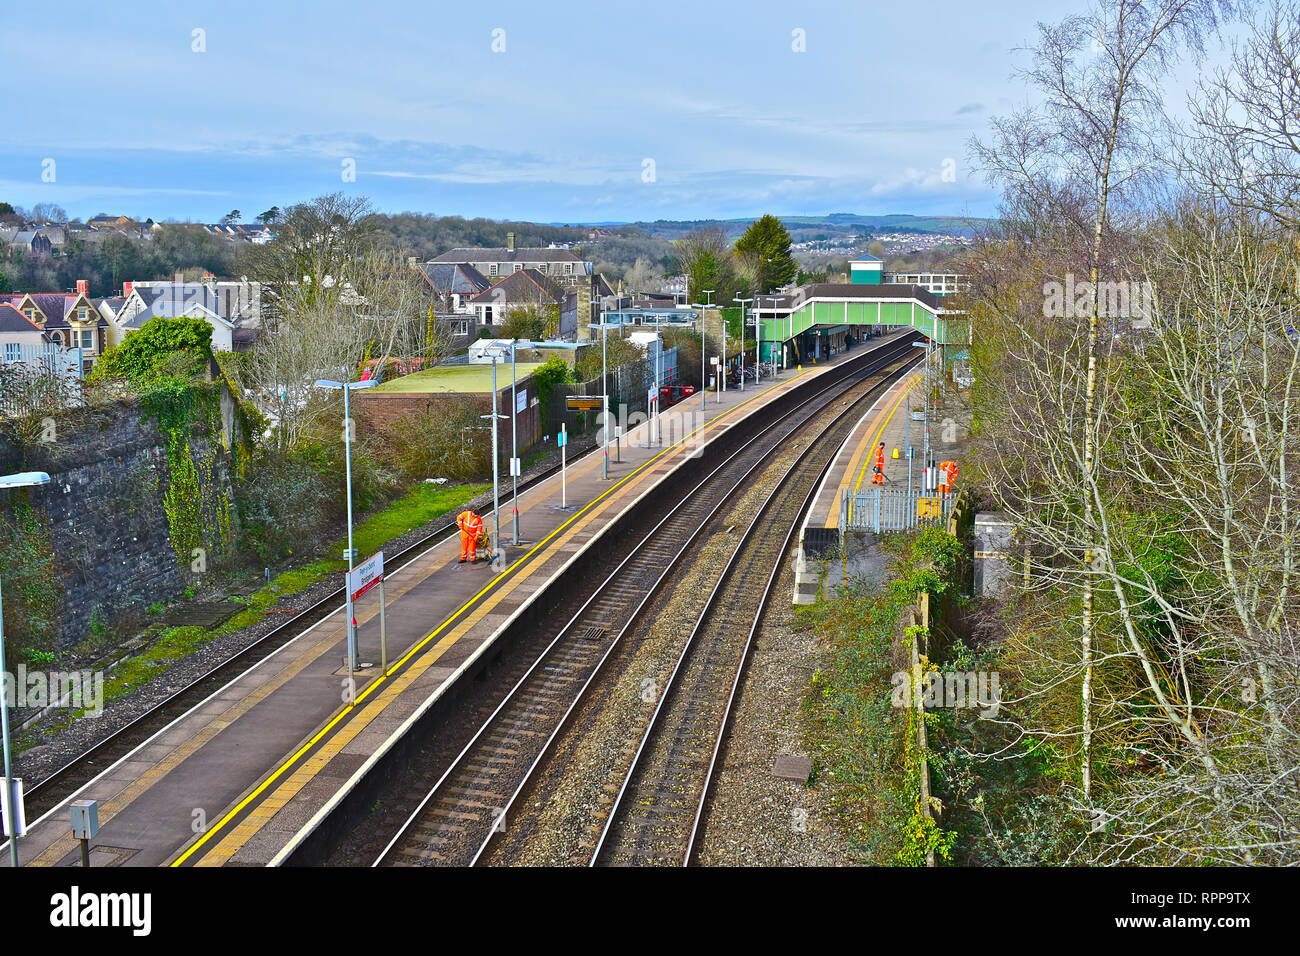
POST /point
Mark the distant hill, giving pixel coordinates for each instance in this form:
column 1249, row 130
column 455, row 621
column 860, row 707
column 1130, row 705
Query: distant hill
column 814, row 227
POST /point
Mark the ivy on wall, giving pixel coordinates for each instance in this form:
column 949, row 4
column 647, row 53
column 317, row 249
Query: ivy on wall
column 32, row 597
column 179, row 409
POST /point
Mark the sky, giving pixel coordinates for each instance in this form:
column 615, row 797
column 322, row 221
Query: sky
column 567, row 111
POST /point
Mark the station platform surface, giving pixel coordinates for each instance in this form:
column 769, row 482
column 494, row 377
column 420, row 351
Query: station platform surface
column 850, row 471
column 897, row 419
column 245, row 775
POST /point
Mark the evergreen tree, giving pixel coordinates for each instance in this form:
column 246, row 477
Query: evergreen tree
column 768, row 242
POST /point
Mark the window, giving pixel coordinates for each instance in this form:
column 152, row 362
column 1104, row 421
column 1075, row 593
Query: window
column 518, row 266
column 30, row 313
column 492, row 269
column 13, row 351
column 462, row 327
column 87, row 339
column 81, row 314
column 487, row 315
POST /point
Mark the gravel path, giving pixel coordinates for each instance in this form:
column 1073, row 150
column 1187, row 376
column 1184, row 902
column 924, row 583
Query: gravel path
column 757, row 819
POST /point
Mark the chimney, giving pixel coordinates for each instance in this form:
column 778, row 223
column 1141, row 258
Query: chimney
column 126, row 288
column 83, row 287
column 510, row 242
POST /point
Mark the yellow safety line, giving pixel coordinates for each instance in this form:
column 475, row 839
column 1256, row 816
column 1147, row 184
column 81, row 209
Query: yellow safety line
column 374, row 684
column 885, row 424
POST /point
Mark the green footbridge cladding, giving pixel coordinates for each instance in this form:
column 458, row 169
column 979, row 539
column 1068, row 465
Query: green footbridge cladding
column 826, row 306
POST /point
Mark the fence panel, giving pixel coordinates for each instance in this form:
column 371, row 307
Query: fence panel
column 885, row 510
column 36, row 378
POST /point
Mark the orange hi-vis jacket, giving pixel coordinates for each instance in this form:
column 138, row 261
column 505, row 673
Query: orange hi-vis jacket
column 879, row 477
column 949, row 469
column 470, row 526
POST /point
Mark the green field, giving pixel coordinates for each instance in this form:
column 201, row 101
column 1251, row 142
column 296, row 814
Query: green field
column 457, row 378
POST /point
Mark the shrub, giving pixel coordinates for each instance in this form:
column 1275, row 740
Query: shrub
column 283, row 506
column 447, row 441
column 161, row 348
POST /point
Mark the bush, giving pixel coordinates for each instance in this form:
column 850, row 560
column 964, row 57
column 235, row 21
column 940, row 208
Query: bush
column 284, row 506
column 445, row 442
column 161, row 348
column 553, row 372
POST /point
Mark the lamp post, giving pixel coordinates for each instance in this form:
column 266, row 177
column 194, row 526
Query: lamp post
column 925, row 454
column 351, row 556
column 743, row 303
column 514, row 444
column 703, row 307
column 604, row 398
column 21, row 480
column 659, row 354
column 495, row 353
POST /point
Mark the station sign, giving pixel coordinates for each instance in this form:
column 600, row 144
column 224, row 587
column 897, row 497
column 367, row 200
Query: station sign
column 585, row 402
column 366, row 575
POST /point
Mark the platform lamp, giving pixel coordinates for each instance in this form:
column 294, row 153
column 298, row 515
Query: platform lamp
column 743, row 303
column 496, row 353
column 351, row 556
column 23, row 479
column 925, row 454
column 703, row 307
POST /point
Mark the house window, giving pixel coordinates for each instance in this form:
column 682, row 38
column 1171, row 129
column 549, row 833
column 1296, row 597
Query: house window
column 13, row 351
column 58, row 338
column 492, row 269
column 30, row 313
column 518, row 266
column 87, row 339
column 487, row 315
column 462, row 327
column 81, row 313
column 568, row 268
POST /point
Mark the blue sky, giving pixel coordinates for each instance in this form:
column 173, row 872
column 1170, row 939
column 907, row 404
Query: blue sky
column 557, row 128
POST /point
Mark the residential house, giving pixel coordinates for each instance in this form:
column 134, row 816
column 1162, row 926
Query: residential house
column 527, row 287
column 16, row 332
column 69, row 320
column 110, row 222
column 33, row 241
column 496, row 262
column 226, row 305
column 583, row 287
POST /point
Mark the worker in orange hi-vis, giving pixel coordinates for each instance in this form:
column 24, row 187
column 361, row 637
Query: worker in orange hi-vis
column 878, row 471
column 948, row 469
column 470, row 525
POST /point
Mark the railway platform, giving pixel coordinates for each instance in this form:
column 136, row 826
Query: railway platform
column 896, row 419
column 249, row 773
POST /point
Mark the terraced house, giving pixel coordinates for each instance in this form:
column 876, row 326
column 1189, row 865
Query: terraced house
column 70, row 320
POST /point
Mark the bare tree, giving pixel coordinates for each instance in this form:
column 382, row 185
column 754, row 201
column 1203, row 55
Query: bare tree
column 329, row 329
column 1090, row 146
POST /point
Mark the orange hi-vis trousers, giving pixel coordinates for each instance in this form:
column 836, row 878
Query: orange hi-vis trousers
column 879, row 477
column 470, row 525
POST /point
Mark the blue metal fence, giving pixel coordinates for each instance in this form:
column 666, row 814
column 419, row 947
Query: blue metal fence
column 883, row 510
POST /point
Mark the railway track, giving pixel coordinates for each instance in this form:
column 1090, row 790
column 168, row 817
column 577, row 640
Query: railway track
column 659, row 811
column 457, row 819
column 73, row 775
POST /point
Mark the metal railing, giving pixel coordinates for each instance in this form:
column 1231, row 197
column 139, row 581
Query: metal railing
column 36, row 378
column 883, row 510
